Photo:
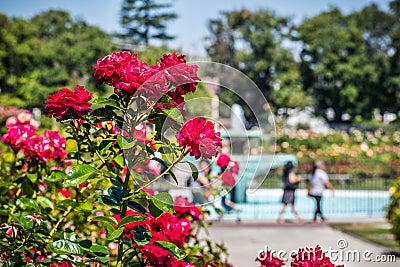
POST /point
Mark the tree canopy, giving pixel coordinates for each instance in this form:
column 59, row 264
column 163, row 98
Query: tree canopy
column 347, row 66
column 42, row 54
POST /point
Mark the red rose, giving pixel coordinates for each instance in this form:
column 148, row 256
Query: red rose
column 68, row 104
column 64, row 192
column 228, row 179
column 268, row 260
column 234, row 167
column 312, row 257
column 65, row 263
column 199, row 138
column 156, row 255
column 183, row 207
column 181, row 75
column 223, row 161
column 127, row 74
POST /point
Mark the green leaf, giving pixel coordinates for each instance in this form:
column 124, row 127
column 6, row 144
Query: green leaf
column 109, row 102
column 124, row 144
column 120, row 161
column 195, row 171
column 65, row 247
column 55, row 176
column 103, row 260
column 164, row 202
column 115, row 234
column 174, row 114
column 80, row 174
column 85, row 244
column 45, row 202
column 131, row 219
column 105, row 145
column 171, row 247
column 86, row 206
column 154, row 211
column 137, row 207
column 106, row 219
column 27, row 203
column 99, row 249
column 142, row 235
column 64, row 204
column 110, row 229
column 32, row 177
column 104, row 113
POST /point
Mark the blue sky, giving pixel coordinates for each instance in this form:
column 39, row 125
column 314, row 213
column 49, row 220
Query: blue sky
column 191, row 26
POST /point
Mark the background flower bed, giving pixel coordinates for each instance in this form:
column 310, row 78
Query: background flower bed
column 362, row 154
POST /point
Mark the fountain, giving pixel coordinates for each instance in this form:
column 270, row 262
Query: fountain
column 244, row 146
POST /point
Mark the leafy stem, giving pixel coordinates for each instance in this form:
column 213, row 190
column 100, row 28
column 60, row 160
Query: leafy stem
column 68, row 211
column 27, row 238
column 123, row 214
column 167, row 170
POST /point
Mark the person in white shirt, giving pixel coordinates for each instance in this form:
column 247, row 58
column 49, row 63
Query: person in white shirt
column 319, row 180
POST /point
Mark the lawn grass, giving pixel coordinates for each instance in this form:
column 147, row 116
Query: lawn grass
column 376, row 233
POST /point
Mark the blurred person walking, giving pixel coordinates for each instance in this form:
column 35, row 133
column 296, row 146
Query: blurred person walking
column 290, row 184
column 319, row 180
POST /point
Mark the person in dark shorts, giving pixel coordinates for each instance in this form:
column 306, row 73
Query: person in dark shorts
column 290, row 183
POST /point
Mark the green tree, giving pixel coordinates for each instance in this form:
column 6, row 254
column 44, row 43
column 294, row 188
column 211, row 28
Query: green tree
column 377, row 28
column 49, row 51
column 335, row 67
column 144, row 20
column 253, row 43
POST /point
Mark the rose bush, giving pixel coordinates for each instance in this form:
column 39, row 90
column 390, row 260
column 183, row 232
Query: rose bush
column 84, row 199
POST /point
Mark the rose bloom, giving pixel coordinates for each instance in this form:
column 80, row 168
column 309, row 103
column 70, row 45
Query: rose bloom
column 126, row 73
column 228, row 179
column 64, row 192
column 193, row 134
column 223, row 161
column 234, row 167
column 183, row 207
column 68, row 104
column 19, row 136
column 312, row 258
column 181, row 75
column 53, row 146
column 268, row 260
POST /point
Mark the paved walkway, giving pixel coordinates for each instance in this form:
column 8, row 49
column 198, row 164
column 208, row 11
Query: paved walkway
column 245, row 239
